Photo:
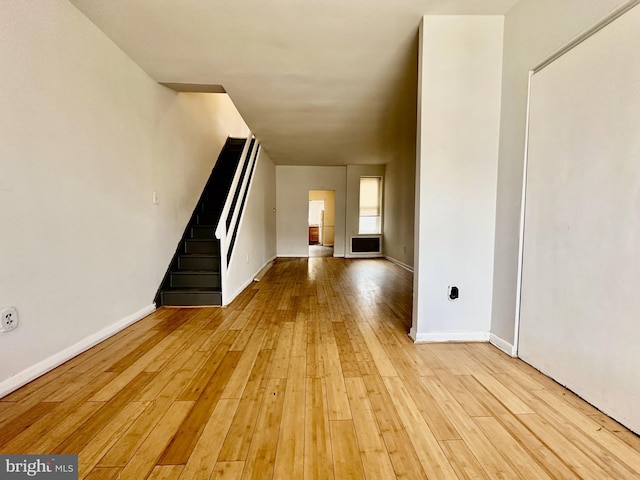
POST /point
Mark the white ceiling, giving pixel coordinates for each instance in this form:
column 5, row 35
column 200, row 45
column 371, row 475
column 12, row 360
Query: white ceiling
column 320, row 82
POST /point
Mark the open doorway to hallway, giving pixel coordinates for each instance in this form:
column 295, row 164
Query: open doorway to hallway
column 321, row 222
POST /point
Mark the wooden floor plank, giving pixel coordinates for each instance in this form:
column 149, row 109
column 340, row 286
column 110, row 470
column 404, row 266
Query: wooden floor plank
column 165, row 472
column 95, row 449
column 227, row 471
column 471, row 404
column 200, row 463
column 185, row 439
column 491, row 459
column 310, row 375
column 53, row 427
column 513, row 403
column 318, row 458
column 463, row 461
column 347, row 463
column 592, row 429
column 579, row 461
column 51, row 430
column 337, row 400
column 96, row 423
column 121, row 452
column 236, row 445
column 240, row 377
column 518, row 457
column 373, row 452
column 434, row 461
column 104, row 474
column 552, row 462
column 280, row 365
column 289, row 461
column 262, row 452
column 437, row 421
column 13, row 428
column 146, row 457
column 398, row 444
column 204, row 374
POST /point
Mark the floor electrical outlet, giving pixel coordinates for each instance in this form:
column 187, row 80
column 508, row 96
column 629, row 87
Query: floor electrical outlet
column 9, row 319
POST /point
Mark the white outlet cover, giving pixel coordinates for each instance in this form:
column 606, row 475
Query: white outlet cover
column 8, row 319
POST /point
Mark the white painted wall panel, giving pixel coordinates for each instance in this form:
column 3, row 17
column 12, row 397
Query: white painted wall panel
column 292, row 203
column 533, row 29
column 459, row 119
column 256, row 241
column 581, row 269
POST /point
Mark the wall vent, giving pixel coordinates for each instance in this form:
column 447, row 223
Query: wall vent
column 365, row 246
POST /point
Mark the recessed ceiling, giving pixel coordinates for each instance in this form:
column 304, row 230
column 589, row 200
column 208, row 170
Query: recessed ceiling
column 329, row 82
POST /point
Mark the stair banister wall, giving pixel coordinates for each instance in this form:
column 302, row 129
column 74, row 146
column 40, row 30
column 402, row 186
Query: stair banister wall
column 221, row 229
column 236, row 214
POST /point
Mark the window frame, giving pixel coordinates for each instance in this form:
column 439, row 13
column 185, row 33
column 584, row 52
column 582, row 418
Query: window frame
column 378, row 223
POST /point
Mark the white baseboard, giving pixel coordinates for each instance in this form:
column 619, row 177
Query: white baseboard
column 263, row 271
column 292, row 255
column 48, row 364
column 503, row 345
column 355, row 256
column 399, row 263
column 439, row 337
column 412, row 334
column 248, row 282
column 238, row 291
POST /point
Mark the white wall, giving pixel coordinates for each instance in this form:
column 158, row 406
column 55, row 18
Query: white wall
column 400, row 171
column 292, row 206
column 461, row 61
column 86, row 137
column 580, row 304
column 533, row 30
column 256, row 241
column 399, row 209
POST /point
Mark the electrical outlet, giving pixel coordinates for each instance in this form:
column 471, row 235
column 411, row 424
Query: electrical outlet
column 453, row 292
column 9, row 319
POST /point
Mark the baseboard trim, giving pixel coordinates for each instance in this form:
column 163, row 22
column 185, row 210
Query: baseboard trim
column 503, row 345
column 263, row 271
column 292, row 255
column 31, row 373
column 399, row 263
column 441, row 337
column 362, row 256
column 249, row 281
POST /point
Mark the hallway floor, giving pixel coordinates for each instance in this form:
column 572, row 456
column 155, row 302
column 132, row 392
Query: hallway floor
column 320, row 251
column 309, row 374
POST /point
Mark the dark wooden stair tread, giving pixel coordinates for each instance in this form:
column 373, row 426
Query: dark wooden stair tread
column 195, row 272
column 192, row 289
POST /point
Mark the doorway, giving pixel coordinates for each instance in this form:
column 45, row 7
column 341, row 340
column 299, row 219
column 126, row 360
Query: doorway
column 321, row 222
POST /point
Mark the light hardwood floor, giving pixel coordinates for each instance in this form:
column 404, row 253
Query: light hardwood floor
column 309, row 374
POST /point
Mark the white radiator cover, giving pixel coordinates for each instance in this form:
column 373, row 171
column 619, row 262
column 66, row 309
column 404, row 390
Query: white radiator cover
column 365, row 246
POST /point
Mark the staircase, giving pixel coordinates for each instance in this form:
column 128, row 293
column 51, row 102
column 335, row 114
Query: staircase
column 194, row 276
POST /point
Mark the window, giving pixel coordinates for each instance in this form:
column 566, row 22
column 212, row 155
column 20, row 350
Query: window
column 370, row 205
